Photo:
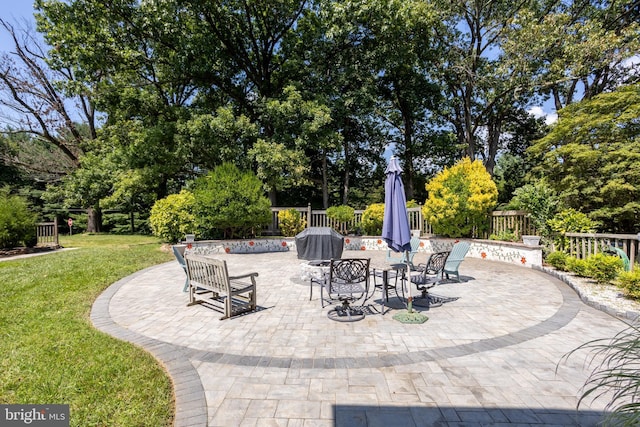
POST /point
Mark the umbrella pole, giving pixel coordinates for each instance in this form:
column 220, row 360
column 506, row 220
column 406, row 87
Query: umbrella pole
column 408, row 282
column 410, row 316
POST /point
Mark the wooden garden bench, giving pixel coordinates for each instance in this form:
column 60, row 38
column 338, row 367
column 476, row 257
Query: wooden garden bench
column 210, row 283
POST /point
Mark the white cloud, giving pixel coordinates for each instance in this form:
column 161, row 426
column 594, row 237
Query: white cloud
column 631, row 61
column 551, row 118
column 538, row 112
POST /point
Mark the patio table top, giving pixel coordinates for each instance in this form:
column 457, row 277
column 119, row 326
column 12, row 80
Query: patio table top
column 489, row 357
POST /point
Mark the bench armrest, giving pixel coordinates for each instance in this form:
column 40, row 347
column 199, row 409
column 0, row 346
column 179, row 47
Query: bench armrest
column 243, row 276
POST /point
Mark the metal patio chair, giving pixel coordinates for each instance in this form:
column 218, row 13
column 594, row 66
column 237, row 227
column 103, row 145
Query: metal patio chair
column 429, row 275
column 346, row 282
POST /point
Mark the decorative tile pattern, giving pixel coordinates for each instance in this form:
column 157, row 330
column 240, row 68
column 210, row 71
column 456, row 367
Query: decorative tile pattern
column 491, row 250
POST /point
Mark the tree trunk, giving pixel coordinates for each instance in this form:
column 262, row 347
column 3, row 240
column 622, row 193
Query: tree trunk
column 94, row 219
column 273, row 197
column 408, row 156
column 345, row 183
column 132, row 222
column 325, row 183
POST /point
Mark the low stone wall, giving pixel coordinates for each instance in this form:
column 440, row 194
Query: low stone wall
column 492, row 250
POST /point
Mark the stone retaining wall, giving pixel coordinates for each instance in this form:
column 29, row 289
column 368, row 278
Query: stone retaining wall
column 513, row 253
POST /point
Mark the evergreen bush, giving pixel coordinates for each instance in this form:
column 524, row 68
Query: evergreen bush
column 230, row 202
column 578, row 266
column 17, row 222
column 172, row 217
column 601, row 267
column 604, row 268
column 460, row 199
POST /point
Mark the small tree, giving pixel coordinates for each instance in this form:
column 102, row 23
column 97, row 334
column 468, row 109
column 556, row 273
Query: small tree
column 171, row 218
column 17, row 221
column 230, row 201
column 460, row 199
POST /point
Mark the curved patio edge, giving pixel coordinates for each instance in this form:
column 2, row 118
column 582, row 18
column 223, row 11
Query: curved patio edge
column 567, row 278
column 190, row 401
column 191, row 408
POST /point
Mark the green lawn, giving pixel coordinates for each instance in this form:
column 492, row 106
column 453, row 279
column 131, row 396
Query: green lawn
column 49, row 351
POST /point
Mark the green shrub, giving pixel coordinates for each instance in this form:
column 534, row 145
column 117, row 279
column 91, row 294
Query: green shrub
column 629, row 282
column 17, row 221
column 171, row 218
column 604, row 268
column 230, row 202
column 540, row 201
column 504, row 236
column 569, row 221
column 460, row 199
column 558, row 260
column 372, row 219
column 601, row 267
column 291, row 222
column 578, row 266
column 340, row 216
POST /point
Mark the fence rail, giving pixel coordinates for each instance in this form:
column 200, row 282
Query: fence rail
column 47, row 233
column 581, row 245
column 516, row 222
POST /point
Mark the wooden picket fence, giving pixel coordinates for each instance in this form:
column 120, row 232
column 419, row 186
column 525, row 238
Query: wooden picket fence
column 516, row 222
column 582, row 245
column 47, row 233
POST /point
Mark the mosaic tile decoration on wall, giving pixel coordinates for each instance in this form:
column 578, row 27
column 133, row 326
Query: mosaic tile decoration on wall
column 491, row 250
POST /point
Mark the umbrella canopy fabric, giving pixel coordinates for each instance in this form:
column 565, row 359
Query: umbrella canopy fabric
column 396, row 230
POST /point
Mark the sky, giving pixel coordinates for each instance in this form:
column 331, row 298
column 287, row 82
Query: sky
column 15, row 11
column 21, row 12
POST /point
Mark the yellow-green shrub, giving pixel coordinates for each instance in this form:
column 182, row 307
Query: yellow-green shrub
column 291, row 222
column 558, row 259
column 171, row 218
column 372, row 218
column 460, row 199
column 629, row 282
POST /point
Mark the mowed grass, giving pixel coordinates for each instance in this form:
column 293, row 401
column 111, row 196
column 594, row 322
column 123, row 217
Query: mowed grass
column 51, row 354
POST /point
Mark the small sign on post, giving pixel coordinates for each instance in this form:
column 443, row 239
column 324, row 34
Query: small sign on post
column 70, row 222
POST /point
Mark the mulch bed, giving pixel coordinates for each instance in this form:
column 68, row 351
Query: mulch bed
column 4, row 253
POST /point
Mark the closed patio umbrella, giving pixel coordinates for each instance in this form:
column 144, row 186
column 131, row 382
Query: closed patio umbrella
column 396, row 231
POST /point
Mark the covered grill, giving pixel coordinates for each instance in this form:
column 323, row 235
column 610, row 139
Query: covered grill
column 317, row 243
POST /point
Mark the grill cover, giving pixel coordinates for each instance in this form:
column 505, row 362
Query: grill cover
column 315, row 243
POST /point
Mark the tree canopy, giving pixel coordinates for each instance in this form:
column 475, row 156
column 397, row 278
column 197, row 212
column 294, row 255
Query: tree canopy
column 311, row 95
column 592, row 158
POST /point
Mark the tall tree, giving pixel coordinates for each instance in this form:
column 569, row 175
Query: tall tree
column 480, row 95
column 574, row 50
column 592, row 158
column 38, row 95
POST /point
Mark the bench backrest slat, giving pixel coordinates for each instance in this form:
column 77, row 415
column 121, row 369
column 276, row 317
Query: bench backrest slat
column 208, row 273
